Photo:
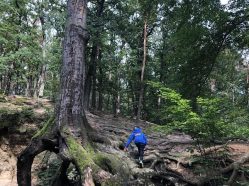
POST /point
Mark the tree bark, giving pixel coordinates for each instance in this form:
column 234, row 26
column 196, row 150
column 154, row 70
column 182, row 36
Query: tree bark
column 91, row 79
column 142, row 71
column 70, row 119
column 95, row 52
column 70, row 107
column 247, row 85
column 100, row 87
column 39, row 91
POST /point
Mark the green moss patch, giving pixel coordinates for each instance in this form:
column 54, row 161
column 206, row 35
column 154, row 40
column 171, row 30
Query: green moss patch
column 82, row 156
column 19, row 101
column 87, row 157
column 47, row 127
column 108, row 162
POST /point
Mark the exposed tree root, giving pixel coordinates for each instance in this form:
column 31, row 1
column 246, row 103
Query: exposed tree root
column 235, row 168
column 26, row 158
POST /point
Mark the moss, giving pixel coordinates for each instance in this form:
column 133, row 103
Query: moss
column 108, row 162
column 19, row 101
column 47, row 127
column 82, row 156
column 114, row 165
column 86, row 157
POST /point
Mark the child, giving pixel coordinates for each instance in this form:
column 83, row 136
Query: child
column 140, row 141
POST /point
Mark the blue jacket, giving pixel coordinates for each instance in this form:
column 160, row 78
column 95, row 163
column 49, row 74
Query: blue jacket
column 137, row 136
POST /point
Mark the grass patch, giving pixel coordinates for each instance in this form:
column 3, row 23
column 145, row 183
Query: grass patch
column 159, row 128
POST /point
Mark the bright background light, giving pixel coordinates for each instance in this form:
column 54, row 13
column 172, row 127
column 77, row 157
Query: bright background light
column 223, row 2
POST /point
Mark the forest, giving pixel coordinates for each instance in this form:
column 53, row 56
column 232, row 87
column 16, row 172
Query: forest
column 77, row 76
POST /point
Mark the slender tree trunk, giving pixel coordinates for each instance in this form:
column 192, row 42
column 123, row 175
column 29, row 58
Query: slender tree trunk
column 88, row 85
column 108, row 102
column 1, row 82
column 247, row 85
column 100, row 80
column 140, row 104
column 43, row 68
column 39, row 91
column 95, row 52
column 8, row 83
column 30, row 86
column 91, row 79
column 41, row 82
column 116, row 103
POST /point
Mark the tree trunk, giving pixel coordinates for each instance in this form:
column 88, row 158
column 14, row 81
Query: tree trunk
column 91, row 79
column 95, row 52
column 30, row 88
column 7, row 90
column 43, row 71
column 1, row 82
column 8, row 81
column 247, row 85
column 41, row 82
column 87, row 91
column 70, row 110
column 70, row 122
column 142, row 71
column 100, row 80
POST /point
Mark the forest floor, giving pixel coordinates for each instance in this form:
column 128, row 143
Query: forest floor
column 170, row 159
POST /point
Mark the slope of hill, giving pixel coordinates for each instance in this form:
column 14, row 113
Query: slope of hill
column 169, row 159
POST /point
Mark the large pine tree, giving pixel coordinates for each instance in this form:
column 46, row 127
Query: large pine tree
column 70, row 129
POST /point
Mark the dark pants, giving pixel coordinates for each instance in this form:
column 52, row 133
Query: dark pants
column 140, row 147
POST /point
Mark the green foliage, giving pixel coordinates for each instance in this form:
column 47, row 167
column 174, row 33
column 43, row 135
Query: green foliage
column 213, row 120
column 174, row 109
column 212, row 123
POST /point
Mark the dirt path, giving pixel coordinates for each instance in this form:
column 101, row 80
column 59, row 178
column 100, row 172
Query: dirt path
column 167, row 157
